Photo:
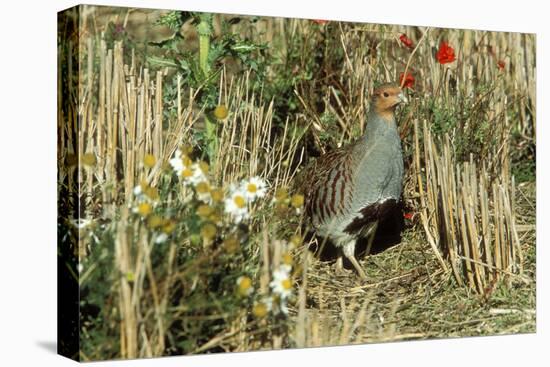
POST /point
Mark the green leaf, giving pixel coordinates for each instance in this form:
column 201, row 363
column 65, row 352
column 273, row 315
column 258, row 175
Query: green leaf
column 159, row 61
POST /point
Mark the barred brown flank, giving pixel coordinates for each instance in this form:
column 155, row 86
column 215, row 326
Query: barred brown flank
column 342, row 197
column 332, row 205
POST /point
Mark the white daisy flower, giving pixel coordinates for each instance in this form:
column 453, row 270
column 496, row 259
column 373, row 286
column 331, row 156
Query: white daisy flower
column 143, row 193
column 254, row 188
column 281, row 284
column 203, row 192
column 198, row 175
column 192, row 173
column 286, row 268
column 138, row 191
column 236, row 205
column 263, row 307
column 177, row 162
column 160, row 238
column 286, row 262
column 244, row 285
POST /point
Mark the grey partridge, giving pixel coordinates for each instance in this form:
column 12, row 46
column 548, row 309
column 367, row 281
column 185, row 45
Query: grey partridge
column 349, row 190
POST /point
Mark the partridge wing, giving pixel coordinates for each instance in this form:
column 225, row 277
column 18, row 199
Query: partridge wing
column 327, row 185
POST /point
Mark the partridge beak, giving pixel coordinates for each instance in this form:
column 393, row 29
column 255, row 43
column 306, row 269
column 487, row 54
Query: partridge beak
column 402, row 97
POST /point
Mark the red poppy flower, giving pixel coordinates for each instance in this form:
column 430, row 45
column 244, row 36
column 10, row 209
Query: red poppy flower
column 320, row 21
column 501, row 64
column 406, row 41
column 445, row 54
column 408, row 216
column 407, row 81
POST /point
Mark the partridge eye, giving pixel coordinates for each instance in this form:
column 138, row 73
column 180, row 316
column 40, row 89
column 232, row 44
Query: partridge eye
column 386, row 94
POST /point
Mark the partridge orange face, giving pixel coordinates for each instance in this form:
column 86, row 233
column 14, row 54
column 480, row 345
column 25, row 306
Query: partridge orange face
column 386, row 97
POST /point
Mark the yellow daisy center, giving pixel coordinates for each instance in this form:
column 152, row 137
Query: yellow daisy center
column 259, row 310
column 252, row 188
column 208, row 231
column 204, row 210
column 287, row 259
column 239, row 201
column 204, row 166
column 217, row 195
column 202, row 187
column 187, row 162
column 245, row 284
column 154, row 221
column 169, row 227
column 297, row 200
column 186, row 173
column 144, row 209
column 287, row 284
column 149, row 160
column 220, row 112
column 281, row 194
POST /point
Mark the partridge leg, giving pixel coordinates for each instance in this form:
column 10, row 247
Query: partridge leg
column 370, row 234
column 349, row 253
column 357, row 267
column 340, row 264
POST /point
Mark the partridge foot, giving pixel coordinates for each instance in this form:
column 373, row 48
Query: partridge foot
column 358, row 267
column 339, row 267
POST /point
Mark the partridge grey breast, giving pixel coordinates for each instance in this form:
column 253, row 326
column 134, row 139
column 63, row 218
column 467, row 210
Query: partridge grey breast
column 348, row 190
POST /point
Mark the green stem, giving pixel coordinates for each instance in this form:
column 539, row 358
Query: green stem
column 204, row 30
